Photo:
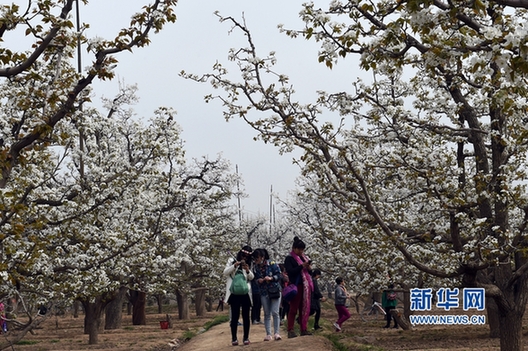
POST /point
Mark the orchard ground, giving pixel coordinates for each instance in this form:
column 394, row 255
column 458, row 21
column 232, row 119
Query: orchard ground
column 66, row 333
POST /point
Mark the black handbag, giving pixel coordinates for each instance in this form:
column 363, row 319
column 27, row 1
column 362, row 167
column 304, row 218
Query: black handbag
column 274, row 292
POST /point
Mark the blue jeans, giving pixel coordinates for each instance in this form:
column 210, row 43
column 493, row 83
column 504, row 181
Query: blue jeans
column 271, row 307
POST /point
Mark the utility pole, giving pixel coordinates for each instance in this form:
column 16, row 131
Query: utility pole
column 271, row 208
column 238, row 198
column 79, row 70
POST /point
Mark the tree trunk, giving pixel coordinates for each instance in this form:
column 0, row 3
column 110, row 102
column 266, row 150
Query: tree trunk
column 209, row 304
column 76, row 306
column 356, row 301
column 168, row 318
column 159, row 300
column 511, row 331
column 406, row 303
column 12, row 311
column 139, row 301
column 200, row 300
column 376, row 295
column 114, row 310
column 399, row 316
column 183, row 305
column 493, row 318
column 92, row 319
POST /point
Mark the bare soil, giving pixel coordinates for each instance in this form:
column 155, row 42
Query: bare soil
column 66, row 333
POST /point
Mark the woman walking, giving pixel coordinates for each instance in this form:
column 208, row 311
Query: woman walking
column 267, row 276
column 238, row 291
column 340, row 303
column 298, row 266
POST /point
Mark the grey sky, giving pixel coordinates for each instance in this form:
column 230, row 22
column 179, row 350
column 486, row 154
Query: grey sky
column 194, row 43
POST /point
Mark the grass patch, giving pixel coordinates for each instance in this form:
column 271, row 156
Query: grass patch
column 335, row 340
column 216, row 320
column 26, row 342
column 54, row 341
column 188, row 335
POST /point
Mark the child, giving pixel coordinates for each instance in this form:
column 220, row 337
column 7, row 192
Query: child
column 317, row 298
column 285, row 306
column 340, row 304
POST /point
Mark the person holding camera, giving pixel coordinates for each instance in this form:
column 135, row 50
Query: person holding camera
column 299, row 268
column 238, row 291
column 268, row 276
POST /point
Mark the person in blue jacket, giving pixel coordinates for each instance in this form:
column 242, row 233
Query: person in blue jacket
column 268, row 278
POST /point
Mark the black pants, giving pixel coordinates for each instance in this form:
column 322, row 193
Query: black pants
column 255, row 310
column 285, row 309
column 220, row 306
column 389, row 316
column 236, row 302
column 317, row 317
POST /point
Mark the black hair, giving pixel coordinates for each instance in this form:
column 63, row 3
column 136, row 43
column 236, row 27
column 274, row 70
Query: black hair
column 257, row 253
column 245, row 254
column 266, row 254
column 298, row 244
column 261, row 253
column 391, row 286
column 339, row 280
column 316, row 272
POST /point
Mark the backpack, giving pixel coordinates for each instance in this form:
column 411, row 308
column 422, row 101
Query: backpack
column 239, row 284
column 391, row 296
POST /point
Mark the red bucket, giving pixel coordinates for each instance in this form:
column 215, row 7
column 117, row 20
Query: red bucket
column 164, row 324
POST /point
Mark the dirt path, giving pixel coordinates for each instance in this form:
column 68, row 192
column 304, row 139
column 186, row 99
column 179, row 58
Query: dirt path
column 218, row 338
column 65, row 333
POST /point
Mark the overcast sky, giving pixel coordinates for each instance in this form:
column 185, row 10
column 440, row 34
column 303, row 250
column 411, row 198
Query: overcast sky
column 194, row 43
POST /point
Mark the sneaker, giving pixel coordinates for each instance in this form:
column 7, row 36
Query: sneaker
column 278, row 337
column 305, row 332
column 291, row 334
column 267, row 338
column 246, row 342
column 234, row 343
column 338, row 328
column 239, row 324
column 316, row 327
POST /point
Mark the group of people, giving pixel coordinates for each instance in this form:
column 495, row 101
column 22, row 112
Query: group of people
column 253, row 279
column 269, row 280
